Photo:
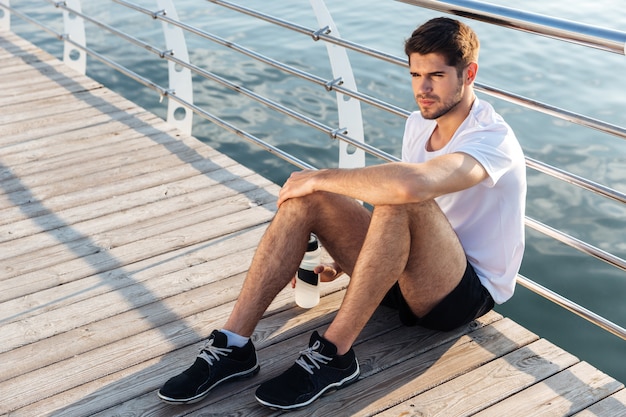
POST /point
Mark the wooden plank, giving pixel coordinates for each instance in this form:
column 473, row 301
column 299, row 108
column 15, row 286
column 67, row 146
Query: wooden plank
column 78, row 401
column 370, row 348
column 27, row 202
column 389, row 378
column 565, row 393
column 116, row 122
column 96, row 363
column 27, row 132
column 51, row 124
column 612, row 406
column 13, row 46
column 50, row 119
column 133, row 148
column 136, row 149
column 129, row 177
column 21, row 95
column 24, row 75
column 21, row 155
column 64, row 234
column 35, row 58
column 54, row 108
column 17, row 46
column 25, row 194
column 177, row 307
column 156, row 342
column 489, row 384
column 291, row 327
column 120, row 229
column 33, row 208
column 220, row 402
column 127, row 231
column 231, row 176
column 98, row 258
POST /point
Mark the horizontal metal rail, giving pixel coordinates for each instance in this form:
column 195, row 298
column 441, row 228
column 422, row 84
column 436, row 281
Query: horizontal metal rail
column 315, row 34
column 600, row 38
column 577, row 309
column 320, row 34
column 554, row 111
column 170, row 56
column 329, row 85
column 579, row 181
column 578, row 244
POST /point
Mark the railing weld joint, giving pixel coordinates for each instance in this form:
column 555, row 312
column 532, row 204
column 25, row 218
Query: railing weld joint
column 155, row 15
column 169, row 52
column 336, row 132
column 322, row 31
column 329, row 85
column 165, row 92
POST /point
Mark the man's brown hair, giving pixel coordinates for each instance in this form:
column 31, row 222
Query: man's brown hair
column 456, row 41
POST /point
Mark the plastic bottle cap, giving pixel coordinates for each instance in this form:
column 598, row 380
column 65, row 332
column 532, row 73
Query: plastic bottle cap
column 312, row 245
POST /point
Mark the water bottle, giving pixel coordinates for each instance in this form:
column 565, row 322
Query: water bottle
column 307, row 288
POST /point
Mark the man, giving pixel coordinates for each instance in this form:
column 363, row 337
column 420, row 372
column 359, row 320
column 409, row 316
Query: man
column 443, row 242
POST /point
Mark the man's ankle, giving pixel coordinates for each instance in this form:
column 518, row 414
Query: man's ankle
column 342, row 349
column 234, row 339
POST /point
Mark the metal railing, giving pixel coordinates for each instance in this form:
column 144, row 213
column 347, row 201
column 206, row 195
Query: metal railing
column 565, row 30
column 603, row 39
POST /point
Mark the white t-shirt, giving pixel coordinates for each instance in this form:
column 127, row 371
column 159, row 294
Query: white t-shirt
column 488, row 217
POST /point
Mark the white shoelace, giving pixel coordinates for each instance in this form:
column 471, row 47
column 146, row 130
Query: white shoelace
column 211, row 353
column 315, row 358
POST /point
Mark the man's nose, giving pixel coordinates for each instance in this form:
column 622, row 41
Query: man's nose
column 423, row 85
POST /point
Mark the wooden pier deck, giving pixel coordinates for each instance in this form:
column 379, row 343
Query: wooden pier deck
column 124, row 242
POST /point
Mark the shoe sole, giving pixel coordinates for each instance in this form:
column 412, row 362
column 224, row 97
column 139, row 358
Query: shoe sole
column 202, row 395
column 327, row 390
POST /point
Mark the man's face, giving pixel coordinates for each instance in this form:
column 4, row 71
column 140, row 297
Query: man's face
column 436, row 86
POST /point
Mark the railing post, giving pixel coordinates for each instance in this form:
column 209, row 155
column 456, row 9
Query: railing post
column 349, row 109
column 5, row 16
column 75, row 30
column 179, row 77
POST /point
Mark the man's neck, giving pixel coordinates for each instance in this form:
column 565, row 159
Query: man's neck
column 448, row 124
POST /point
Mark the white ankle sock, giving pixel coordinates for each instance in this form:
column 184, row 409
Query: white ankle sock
column 234, row 339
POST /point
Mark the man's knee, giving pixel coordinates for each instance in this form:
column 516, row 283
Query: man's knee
column 309, row 209
column 416, row 213
column 310, row 202
column 405, row 211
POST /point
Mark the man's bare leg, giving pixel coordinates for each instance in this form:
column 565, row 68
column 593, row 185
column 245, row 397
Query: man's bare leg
column 340, row 223
column 413, row 244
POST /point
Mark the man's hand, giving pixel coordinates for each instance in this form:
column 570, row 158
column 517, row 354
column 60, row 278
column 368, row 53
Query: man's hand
column 328, row 273
column 298, row 184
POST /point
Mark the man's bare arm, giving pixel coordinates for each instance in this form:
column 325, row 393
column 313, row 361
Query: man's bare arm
column 392, row 183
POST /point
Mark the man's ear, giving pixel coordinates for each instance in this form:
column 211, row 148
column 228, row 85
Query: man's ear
column 472, row 70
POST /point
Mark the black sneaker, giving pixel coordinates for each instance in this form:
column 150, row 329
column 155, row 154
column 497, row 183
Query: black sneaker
column 215, row 364
column 317, row 371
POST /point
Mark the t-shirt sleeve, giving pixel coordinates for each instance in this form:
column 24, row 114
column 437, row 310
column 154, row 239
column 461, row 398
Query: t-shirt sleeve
column 491, row 149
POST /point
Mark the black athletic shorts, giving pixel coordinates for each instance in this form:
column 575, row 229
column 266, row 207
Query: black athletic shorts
column 468, row 301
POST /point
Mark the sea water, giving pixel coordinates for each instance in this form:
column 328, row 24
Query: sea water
column 572, row 77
